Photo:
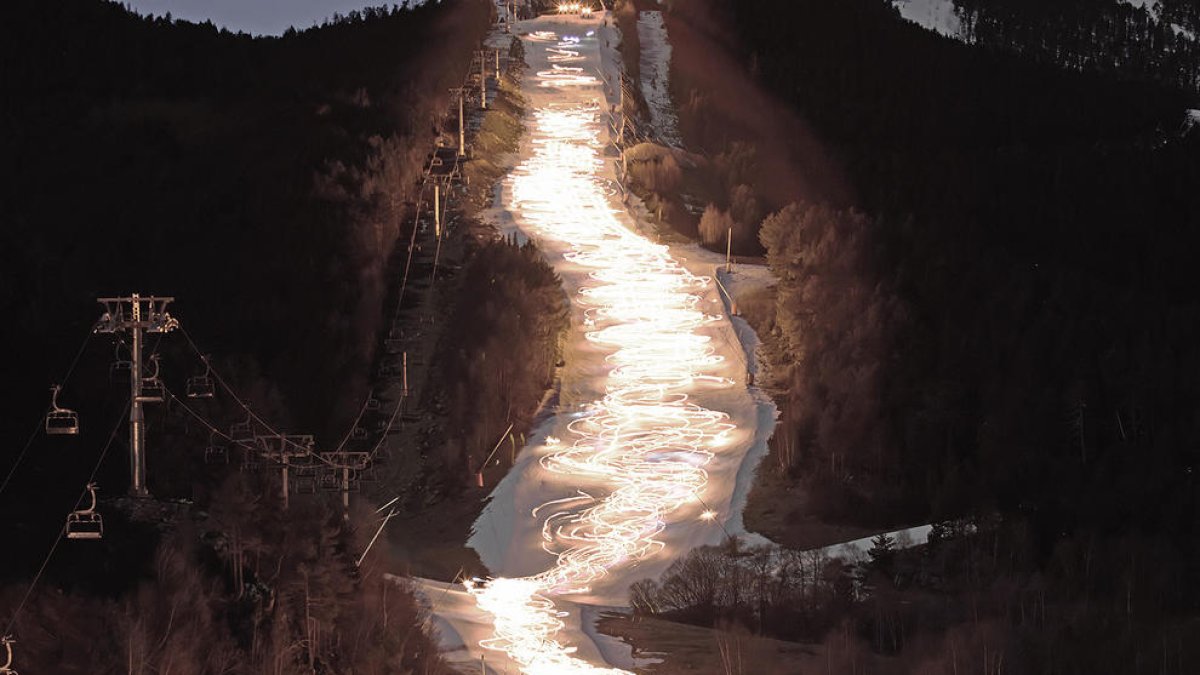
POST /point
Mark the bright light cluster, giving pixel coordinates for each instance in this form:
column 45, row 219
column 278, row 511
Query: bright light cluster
column 582, row 8
column 644, row 443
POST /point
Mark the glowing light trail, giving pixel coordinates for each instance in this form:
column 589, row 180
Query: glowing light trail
column 645, row 441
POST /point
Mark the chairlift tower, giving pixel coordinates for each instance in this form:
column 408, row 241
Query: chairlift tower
column 135, row 315
column 462, row 121
column 283, row 448
column 345, row 463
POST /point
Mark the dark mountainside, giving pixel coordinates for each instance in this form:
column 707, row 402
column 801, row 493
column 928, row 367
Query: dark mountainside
column 1110, row 36
column 264, row 182
column 994, row 327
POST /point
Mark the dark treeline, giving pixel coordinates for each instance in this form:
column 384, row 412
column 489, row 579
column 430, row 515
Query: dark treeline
column 1115, row 36
column 974, row 599
column 985, row 306
column 489, row 378
column 249, row 588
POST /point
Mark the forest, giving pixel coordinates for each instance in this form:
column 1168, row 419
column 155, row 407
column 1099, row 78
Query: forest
column 1155, row 41
column 264, row 182
column 984, row 311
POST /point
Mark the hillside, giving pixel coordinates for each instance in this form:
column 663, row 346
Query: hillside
column 264, row 182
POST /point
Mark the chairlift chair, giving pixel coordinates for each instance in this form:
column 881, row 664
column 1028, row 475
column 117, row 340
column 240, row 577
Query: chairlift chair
column 215, row 452
column 242, row 432
column 250, row 462
column 6, row 668
column 86, row 523
column 369, row 475
column 358, row 434
column 201, row 386
column 152, row 390
column 60, row 421
column 372, row 404
column 305, row 479
column 120, row 367
column 329, row 482
column 305, row 485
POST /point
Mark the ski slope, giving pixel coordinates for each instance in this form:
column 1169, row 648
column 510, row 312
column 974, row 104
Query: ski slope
column 655, row 436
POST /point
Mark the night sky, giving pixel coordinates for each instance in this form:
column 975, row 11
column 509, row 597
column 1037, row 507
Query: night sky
column 258, row 17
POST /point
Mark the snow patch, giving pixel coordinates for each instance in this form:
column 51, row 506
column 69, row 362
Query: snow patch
column 939, row 16
column 856, row 551
column 656, row 76
column 1191, row 118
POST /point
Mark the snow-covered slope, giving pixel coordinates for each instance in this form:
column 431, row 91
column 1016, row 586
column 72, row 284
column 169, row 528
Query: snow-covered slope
column 655, row 71
column 939, row 16
column 655, row 435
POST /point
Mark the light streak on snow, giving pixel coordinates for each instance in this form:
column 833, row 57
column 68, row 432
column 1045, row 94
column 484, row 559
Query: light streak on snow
column 645, row 441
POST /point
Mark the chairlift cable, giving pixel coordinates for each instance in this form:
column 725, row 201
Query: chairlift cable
column 228, row 389
column 198, row 417
column 57, row 540
column 37, row 427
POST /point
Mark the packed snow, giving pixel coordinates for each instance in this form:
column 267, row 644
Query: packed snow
column 655, row 436
column 939, row 16
column 655, row 73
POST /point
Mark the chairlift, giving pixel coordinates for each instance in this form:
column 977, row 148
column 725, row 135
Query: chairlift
column 7, row 668
column 120, row 366
column 86, row 523
column 369, row 475
column 60, row 421
column 215, row 452
column 242, row 432
column 328, row 482
column 201, row 386
column 304, row 479
column 152, row 389
column 250, row 460
column 305, row 484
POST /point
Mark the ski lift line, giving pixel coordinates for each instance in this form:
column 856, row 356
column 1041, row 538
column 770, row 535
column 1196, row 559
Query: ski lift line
column 58, row 540
column 225, row 385
column 412, row 244
column 361, row 411
column 21, row 455
column 41, row 419
column 197, row 416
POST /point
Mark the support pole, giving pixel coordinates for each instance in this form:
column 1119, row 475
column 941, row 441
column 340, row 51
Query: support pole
column 404, row 386
column 137, row 419
column 497, row 65
column 462, row 127
column 345, row 492
column 482, row 80
column 136, row 315
column 437, row 210
column 283, row 460
column 729, row 252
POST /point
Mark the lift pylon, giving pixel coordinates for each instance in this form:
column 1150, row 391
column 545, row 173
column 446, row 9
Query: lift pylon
column 134, row 315
column 283, row 448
